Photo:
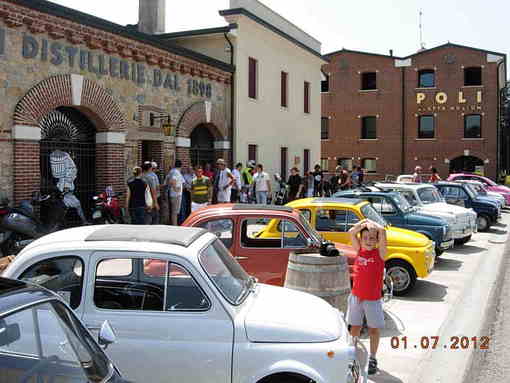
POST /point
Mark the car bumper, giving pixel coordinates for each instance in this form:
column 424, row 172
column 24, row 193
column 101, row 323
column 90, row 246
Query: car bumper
column 464, row 232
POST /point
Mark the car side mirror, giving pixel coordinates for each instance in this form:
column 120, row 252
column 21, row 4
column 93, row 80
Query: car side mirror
column 309, row 242
column 9, row 333
column 106, row 335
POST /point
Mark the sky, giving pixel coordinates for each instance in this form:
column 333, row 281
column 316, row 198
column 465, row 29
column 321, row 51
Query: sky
column 367, row 25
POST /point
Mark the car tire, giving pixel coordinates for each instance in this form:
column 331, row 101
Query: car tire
column 463, row 241
column 483, row 222
column 403, row 276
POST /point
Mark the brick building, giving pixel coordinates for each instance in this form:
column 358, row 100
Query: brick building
column 438, row 107
column 80, row 84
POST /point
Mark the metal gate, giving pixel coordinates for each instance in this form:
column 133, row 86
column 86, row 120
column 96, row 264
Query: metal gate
column 66, row 130
column 202, row 146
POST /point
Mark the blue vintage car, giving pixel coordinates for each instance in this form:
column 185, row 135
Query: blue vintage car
column 487, row 210
column 397, row 211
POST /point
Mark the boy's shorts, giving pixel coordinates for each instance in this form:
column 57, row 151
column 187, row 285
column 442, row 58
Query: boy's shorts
column 372, row 310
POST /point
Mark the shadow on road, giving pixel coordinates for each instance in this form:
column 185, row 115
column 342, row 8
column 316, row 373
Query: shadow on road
column 426, row 291
column 384, row 376
column 445, row 264
column 465, row 249
column 499, row 224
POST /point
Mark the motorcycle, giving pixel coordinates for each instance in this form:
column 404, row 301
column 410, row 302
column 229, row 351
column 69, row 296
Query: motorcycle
column 281, row 197
column 19, row 226
column 107, row 208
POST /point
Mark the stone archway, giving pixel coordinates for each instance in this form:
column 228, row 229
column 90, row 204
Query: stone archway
column 87, row 97
column 203, row 113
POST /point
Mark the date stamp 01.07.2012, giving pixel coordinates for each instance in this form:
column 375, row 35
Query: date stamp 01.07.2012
column 436, row 342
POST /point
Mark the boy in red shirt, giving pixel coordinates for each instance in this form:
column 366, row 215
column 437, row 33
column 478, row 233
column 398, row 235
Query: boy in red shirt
column 369, row 240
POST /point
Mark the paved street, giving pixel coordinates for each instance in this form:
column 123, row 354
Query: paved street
column 433, row 309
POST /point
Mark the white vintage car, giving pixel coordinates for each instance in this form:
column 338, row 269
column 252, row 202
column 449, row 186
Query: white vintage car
column 184, row 310
column 427, row 200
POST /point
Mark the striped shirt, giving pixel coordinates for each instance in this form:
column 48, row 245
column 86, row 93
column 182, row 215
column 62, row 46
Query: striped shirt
column 200, row 189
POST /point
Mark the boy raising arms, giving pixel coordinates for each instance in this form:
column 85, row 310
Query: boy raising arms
column 369, row 240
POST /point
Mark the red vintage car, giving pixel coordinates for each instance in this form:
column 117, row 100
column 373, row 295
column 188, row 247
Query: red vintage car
column 239, row 226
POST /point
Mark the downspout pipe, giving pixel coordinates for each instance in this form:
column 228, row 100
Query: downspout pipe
column 232, row 103
column 403, row 123
column 498, row 128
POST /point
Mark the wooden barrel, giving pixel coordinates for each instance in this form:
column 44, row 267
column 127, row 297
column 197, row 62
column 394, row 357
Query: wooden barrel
column 324, row 277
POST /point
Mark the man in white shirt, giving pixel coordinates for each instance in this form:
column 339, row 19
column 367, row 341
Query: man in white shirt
column 225, row 181
column 175, row 181
column 262, row 185
column 237, row 186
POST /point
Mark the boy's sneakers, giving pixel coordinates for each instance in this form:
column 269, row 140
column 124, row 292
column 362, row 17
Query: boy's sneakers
column 372, row 366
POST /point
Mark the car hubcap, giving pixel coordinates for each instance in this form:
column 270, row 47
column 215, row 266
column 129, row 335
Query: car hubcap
column 400, row 277
column 481, row 223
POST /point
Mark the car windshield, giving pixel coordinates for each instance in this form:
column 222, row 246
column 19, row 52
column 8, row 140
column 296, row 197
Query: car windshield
column 402, row 203
column 473, row 188
column 225, row 272
column 470, row 191
column 429, row 195
column 46, row 340
column 370, row 213
column 314, row 235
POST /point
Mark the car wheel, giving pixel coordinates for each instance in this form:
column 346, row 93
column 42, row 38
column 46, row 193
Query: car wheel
column 463, row 241
column 403, row 276
column 482, row 222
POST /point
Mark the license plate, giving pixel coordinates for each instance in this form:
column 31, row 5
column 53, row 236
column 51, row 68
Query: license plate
column 97, row 214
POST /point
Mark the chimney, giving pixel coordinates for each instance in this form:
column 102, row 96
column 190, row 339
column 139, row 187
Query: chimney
column 151, row 16
column 391, row 52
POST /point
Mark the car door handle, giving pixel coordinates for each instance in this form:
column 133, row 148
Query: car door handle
column 239, row 258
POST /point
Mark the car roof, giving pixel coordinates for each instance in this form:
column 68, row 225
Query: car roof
column 326, row 201
column 245, row 206
column 228, row 209
column 15, row 294
column 449, row 183
column 404, row 185
column 121, row 237
column 171, row 235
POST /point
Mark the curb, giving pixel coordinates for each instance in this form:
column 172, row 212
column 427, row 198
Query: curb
column 472, row 316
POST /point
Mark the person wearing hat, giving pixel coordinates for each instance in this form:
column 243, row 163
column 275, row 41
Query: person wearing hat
column 223, row 182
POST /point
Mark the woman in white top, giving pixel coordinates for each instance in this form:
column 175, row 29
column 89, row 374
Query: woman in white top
column 262, row 185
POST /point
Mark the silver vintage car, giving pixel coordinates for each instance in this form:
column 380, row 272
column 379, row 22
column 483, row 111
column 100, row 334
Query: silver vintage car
column 184, row 310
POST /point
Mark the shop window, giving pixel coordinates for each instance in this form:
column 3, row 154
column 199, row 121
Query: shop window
column 426, row 127
column 345, row 163
column 369, row 81
column 324, row 128
column 324, row 83
column 252, row 77
column 369, row 164
column 284, row 88
column 368, row 128
column 426, row 78
column 252, row 152
column 472, row 76
column 473, row 126
column 307, row 97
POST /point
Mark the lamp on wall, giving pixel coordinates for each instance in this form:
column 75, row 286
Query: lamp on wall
column 167, row 126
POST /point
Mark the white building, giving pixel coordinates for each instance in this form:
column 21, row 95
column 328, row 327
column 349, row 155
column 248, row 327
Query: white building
column 277, row 100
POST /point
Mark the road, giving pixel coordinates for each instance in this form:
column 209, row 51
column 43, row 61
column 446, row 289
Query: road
column 494, row 365
column 432, row 310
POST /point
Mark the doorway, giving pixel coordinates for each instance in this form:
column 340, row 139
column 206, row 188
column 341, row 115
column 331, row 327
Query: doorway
column 466, row 164
column 202, row 146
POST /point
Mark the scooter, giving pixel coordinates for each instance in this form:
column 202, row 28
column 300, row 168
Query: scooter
column 107, row 208
column 19, row 226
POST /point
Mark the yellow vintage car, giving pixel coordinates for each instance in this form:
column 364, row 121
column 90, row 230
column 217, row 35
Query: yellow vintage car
column 411, row 255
